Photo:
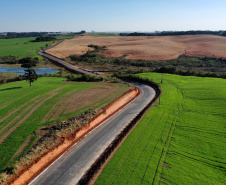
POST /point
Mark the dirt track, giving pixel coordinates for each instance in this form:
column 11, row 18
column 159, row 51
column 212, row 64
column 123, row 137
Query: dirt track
column 149, row 48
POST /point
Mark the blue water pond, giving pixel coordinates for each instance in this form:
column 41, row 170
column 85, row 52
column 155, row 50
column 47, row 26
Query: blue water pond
column 20, row 71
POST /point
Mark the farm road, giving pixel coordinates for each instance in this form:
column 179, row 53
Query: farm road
column 71, row 166
column 65, row 64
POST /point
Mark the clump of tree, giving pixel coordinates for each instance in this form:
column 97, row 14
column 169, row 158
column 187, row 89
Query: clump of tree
column 9, row 60
column 15, row 79
column 45, row 38
column 96, row 48
column 81, row 32
column 224, row 34
column 89, row 57
column 30, row 74
column 183, row 65
column 84, row 77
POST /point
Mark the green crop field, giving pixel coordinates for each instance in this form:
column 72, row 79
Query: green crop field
column 24, row 108
column 180, row 142
column 22, row 47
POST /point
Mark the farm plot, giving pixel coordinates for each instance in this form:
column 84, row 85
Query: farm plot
column 24, row 109
column 180, row 142
column 22, row 47
column 143, row 47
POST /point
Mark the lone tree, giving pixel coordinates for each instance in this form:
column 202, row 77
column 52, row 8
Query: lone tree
column 30, row 74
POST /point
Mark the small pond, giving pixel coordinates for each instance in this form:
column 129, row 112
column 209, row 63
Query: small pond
column 20, row 71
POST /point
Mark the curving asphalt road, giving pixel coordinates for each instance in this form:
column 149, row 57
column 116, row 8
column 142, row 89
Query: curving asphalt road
column 65, row 64
column 71, row 166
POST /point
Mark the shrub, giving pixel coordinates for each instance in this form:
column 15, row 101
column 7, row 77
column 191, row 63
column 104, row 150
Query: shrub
column 84, row 77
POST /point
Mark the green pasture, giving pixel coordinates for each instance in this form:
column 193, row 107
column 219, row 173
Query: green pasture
column 180, row 142
column 20, row 101
column 22, row 47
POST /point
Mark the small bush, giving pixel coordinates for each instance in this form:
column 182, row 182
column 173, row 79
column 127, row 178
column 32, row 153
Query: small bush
column 84, row 77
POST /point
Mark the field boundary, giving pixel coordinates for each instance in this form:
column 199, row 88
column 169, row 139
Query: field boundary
column 94, row 172
column 28, row 173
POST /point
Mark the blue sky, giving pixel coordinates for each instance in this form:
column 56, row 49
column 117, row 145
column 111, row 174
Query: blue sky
column 112, row 15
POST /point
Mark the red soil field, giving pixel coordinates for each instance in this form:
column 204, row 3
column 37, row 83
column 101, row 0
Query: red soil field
column 145, row 47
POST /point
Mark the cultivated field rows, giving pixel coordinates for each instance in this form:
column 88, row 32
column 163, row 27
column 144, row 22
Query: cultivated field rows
column 24, row 109
column 181, row 141
column 139, row 157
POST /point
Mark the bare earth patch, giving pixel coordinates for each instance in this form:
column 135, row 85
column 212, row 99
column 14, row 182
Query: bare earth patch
column 57, row 105
column 74, row 101
column 145, row 47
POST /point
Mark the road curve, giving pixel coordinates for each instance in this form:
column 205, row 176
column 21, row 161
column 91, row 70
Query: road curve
column 71, row 166
column 65, row 64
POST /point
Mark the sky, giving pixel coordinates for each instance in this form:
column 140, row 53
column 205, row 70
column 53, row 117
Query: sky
column 112, row 15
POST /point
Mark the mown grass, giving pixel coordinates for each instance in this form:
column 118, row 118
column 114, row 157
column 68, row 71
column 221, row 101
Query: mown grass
column 22, row 47
column 21, row 98
column 180, row 142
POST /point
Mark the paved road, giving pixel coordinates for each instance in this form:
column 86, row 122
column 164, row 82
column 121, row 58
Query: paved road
column 53, row 45
column 65, row 64
column 71, row 166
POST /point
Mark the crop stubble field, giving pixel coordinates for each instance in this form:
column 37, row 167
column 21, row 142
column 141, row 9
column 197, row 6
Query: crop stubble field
column 24, row 109
column 145, row 47
column 180, row 142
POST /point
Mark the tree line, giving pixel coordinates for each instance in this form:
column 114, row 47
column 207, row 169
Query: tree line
column 11, row 35
column 183, row 65
column 171, row 33
column 9, row 60
column 44, row 38
column 84, row 77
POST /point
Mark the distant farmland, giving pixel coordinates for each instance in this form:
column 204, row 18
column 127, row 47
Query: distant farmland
column 145, row 47
column 180, row 142
column 24, row 109
column 22, row 47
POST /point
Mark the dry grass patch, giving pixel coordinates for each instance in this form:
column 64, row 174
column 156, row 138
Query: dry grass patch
column 146, row 47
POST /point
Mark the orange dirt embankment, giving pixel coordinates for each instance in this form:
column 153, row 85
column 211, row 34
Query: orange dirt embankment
column 38, row 166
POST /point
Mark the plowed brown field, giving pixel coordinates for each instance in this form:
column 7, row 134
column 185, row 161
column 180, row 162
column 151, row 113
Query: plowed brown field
column 149, row 48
